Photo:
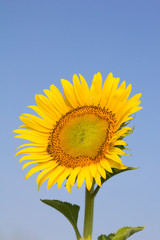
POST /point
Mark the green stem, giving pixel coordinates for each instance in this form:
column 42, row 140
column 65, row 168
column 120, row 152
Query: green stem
column 95, row 192
column 88, row 218
column 78, row 234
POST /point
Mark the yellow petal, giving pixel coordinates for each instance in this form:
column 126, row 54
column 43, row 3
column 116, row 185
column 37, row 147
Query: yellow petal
column 69, row 93
column 38, row 121
column 132, row 102
column 44, row 177
column 38, row 168
column 54, row 176
column 116, row 150
column 114, row 164
column 33, row 133
column 73, row 175
column 101, row 170
column 31, row 150
column 59, row 98
column 127, row 113
column 119, row 143
column 78, row 90
column 38, row 140
column 63, row 176
column 89, row 179
column 114, row 157
column 105, row 164
column 125, row 119
column 98, row 179
column 96, row 89
column 112, row 93
column 27, row 144
column 68, row 186
column 31, row 124
column 93, row 170
column 57, row 102
column 106, row 89
column 121, row 132
column 81, row 177
column 43, row 115
column 36, row 157
column 46, row 173
column 123, row 99
column 41, row 174
column 34, row 161
column 117, row 98
column 85, row 89
column 45, row 106
column 127, row 92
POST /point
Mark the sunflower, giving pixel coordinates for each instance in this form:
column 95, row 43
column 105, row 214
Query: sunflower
column 78, row 136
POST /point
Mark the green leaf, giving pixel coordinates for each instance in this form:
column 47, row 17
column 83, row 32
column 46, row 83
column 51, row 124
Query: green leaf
column 68, row 210
column 126, row 232
column 104, row 237
column 121, row 234
column 115, row 172
column 109, row 175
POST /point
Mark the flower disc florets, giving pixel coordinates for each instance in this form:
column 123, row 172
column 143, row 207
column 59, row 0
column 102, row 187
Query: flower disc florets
column 82, row 136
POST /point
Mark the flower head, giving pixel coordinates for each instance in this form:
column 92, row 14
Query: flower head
column 78, row 136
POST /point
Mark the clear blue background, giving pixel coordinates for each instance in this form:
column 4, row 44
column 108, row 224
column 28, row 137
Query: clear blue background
column 44, row 41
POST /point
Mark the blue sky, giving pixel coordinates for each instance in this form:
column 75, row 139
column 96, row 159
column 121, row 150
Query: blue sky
column 44, row 41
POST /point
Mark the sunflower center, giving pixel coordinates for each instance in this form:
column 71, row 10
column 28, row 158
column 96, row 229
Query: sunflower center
column 82, row 136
